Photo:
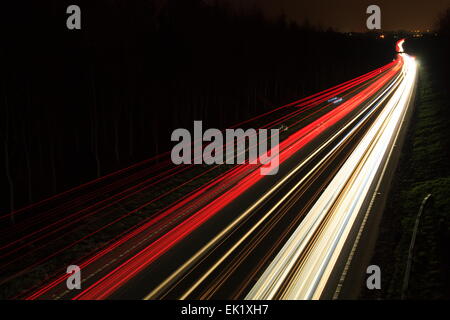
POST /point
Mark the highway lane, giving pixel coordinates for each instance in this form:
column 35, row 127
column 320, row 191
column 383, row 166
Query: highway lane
column 332, row 146
column 348, row 283
column 286, row 277
column 303, row 267
column 173, row 258
column 250, row 246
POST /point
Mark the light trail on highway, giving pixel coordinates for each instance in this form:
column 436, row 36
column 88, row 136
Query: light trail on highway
column 303, row 266
column 240, row 234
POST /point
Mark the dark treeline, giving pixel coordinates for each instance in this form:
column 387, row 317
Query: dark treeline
column 444, row 44
column 80, row 104
column 424, row 169
column 435, row 53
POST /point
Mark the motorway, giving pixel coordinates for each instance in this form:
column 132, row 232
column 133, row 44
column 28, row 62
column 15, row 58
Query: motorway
column 246, row 236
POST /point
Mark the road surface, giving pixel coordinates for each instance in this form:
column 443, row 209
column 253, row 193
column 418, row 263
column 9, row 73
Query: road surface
column 239, row 235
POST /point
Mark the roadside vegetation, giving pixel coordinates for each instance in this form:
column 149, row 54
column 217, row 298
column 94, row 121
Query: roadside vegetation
column 424, row 169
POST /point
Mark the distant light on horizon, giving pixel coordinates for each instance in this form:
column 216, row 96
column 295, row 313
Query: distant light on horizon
column 350, row 15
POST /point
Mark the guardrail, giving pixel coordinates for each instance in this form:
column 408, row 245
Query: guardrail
column 411, row 248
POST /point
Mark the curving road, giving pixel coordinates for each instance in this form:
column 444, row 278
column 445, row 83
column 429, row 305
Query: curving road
column 242, row 235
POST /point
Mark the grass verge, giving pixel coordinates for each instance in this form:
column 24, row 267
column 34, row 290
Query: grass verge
column 424, row 168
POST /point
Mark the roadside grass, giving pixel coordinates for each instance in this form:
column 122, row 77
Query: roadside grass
column 424, row 168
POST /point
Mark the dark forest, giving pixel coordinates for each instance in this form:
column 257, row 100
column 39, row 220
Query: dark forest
column 77, row 105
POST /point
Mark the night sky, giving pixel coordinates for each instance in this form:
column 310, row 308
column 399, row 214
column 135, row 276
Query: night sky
column 349, row 15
